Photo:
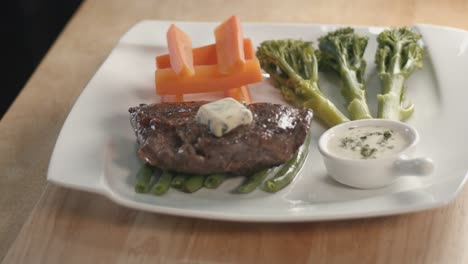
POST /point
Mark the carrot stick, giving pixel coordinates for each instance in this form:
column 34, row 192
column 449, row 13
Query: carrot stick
column 246, row 94
column 249, row 50
column 207, row 79
column 171, row 98
column 205, row 55
column 180, row 51
column 235, row 93
column 230, row 46
column 228, row 37
column 241, row 94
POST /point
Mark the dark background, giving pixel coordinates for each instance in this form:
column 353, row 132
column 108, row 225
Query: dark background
column 28, row 29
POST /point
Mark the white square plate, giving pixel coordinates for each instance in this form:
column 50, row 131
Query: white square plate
column 96, row 149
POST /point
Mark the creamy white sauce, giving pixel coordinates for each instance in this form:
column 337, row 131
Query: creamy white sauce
column 367, row 142
column 223, row 116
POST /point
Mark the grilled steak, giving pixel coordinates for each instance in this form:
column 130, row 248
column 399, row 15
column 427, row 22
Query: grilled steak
column 171, row 139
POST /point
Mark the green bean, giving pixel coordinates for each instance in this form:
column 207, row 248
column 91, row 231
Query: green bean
column 214, row 180
column 193, row 183
column 288, row 172
column 163, row 183
column 178, row 180
column 253, row 181
column 143, row 178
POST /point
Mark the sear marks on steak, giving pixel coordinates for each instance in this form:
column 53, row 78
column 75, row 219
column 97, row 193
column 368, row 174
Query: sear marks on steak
column 171, row 139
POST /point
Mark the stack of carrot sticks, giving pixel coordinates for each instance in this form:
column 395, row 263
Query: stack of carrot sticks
column 228, row 66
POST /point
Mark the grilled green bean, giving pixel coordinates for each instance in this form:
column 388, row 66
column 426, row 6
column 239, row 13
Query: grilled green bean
column 163, row 183
column 178, row 180
column 214, row 180
column 289, row 171
column 193, row 183
column 143, row 178
column 253, row 181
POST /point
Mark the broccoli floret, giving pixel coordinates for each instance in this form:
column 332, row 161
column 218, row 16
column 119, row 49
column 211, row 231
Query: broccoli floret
column 342, row 52
column 293, row 67
column 398, row 55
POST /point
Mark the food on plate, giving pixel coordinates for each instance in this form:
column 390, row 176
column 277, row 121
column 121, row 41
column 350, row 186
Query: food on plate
column 143, row 178
column 284, row 175
column 193, row 183
column 287, row 173
column 178, row 180
column 341, row 51
column 372, row 153
column 214, row 180
column 206, row 79
column 223, row 115
column 367, row 142
column 170, row 138
column 230, row 46
column 241, row 94
column 230, row 55
column 228, row 65
column 180, row 51
column 398, row 55
column 252, row 182
column 205, row 55
column 162, row 185
column 194, row 145
column 293, row 67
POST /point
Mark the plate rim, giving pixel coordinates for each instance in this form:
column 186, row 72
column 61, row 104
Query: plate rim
column 103, row 189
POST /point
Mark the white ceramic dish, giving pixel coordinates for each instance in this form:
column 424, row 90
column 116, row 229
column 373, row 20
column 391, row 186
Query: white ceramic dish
column 378, row 172
column 95, row 150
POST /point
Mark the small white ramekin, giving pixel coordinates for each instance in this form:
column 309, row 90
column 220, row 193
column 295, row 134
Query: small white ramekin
column 374, row 173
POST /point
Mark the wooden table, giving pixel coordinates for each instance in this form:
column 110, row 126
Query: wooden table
column 43, row 223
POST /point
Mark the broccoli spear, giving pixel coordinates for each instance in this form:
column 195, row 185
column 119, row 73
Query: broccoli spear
column 341, row 52
column 293, row 67
column 397, row 56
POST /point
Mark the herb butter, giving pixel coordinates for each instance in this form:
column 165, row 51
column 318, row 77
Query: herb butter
column 223, row 116
column 367, row 142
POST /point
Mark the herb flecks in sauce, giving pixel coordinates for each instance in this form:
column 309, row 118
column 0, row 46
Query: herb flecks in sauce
column 347, row 141
column 387, row 134
column 367, row 152
column 367, row 142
